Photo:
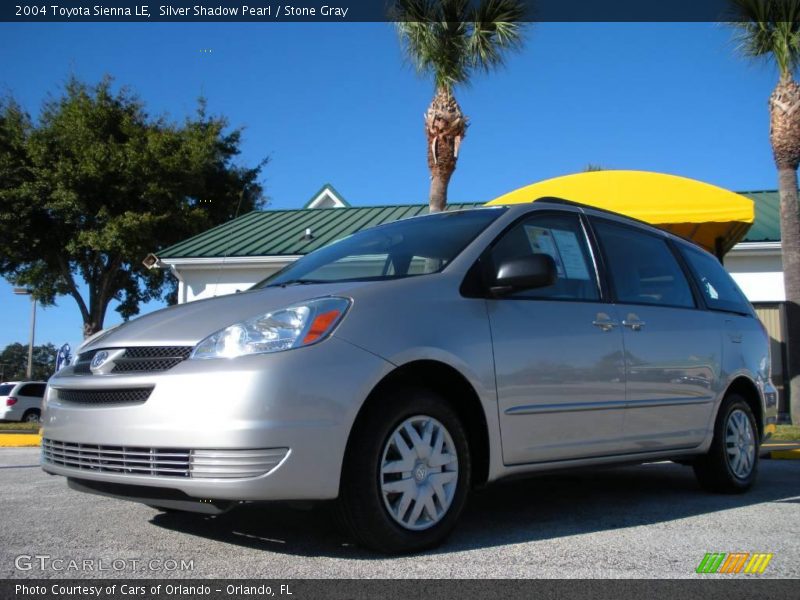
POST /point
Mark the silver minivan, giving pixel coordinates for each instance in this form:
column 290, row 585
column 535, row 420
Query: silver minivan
column 396, row 369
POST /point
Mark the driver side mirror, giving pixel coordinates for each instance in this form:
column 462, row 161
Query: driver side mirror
column 524, row 273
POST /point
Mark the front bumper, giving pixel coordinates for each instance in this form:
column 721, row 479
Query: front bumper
column 302, row 401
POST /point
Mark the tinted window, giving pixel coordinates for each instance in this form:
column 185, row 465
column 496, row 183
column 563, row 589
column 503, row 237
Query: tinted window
column 561, row 236
column 719, row 289
column 32, row 389
column 643, row 268
column 5, row 390
column 400, row 249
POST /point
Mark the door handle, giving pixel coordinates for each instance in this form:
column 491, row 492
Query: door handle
column 604, row 322
column 634, row 323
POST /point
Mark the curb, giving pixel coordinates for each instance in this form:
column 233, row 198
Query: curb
column 786, row 454
column 787, row 450
column 20, row 440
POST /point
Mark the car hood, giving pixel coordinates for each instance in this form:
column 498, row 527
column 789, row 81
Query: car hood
column 188, row 324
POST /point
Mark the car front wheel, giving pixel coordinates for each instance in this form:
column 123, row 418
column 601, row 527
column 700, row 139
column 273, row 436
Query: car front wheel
column 406, row 473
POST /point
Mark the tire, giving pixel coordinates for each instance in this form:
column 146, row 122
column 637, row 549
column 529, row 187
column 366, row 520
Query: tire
column 31, row 416
column 735, row 435
column 405, row 511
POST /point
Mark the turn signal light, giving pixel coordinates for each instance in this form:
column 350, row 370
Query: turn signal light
column 320, row 325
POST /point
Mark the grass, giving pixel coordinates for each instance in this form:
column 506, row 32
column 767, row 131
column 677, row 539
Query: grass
column 787, row 433
column 32, row 427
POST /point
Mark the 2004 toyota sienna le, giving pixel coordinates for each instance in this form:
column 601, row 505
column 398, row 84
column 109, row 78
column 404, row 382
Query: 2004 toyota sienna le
column 398, row 368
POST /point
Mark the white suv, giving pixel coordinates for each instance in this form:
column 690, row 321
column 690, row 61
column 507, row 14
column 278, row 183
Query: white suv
column 21, row 400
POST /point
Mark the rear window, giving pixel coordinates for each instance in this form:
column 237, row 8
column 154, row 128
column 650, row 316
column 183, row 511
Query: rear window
column 717, row 286
column 32, row 389
column 6, row 388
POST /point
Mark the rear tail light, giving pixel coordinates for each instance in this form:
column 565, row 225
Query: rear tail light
column 10, row 401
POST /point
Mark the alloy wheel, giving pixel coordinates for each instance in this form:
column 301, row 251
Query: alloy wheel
column 740, row 444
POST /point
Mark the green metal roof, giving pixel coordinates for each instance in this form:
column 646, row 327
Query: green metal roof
column 767, row 226
column 281, row 232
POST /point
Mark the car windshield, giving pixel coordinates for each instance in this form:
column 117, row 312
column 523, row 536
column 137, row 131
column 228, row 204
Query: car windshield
column 6, row 388
column 406, row 248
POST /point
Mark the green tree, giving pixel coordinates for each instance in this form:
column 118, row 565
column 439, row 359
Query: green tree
column 449, row 40
column 770, row 29
column 96, row 183
column 14, row 362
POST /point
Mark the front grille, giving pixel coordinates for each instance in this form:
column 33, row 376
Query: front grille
column 138, row 359
column 113, row 396
column 151, row 358
column 117, row 459
column 163, row 462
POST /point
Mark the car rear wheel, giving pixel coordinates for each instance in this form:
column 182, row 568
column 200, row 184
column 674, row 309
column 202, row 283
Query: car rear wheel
column 731, row 464
column 31, row 416
column 406, row 474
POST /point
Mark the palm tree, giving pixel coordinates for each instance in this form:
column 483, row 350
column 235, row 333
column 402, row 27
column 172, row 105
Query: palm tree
column 449, row 40
column 770, row 29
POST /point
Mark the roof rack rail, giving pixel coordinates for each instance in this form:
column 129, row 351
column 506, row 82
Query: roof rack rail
column 557, row 200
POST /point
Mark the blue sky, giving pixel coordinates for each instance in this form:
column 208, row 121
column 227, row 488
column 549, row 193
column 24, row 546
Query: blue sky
column 336, row 103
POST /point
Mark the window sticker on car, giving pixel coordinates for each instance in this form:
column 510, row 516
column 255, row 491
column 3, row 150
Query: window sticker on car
column 711, row 291
column 563, row 246
column 542, row 242
column 571, row 254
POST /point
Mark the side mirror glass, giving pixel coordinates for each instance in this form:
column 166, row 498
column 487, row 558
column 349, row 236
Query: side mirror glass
column 524, row 273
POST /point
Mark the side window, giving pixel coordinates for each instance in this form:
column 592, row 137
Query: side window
column 32, row 389
column 643, row 268
column 562, row 237
column 719, row 289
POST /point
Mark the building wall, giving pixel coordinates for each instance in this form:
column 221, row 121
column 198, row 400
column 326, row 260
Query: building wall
column 199, row 283
column 760, row 275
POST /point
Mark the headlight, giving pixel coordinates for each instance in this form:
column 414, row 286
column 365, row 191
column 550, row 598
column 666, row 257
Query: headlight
column 291, row 327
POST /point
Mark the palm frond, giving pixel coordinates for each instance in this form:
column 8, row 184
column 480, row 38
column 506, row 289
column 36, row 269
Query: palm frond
column 496, row 29
column 769, row 29
column 449, row 39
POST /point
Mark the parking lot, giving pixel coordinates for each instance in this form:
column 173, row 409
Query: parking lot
column 641, row 521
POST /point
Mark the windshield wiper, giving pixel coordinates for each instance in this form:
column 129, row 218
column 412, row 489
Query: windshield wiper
column 294, row 282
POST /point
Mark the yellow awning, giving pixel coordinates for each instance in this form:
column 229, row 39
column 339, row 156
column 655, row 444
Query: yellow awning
column 712, row 217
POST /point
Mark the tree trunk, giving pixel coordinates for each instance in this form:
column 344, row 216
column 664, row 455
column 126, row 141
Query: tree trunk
column 784, row 135
column 445, row 128
column 790, row 250
column 437, row 199
column 92, row 326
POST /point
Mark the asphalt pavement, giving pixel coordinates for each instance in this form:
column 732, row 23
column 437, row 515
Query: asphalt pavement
column 649, row 521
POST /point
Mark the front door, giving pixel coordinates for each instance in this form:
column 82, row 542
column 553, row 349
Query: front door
column 558, row 350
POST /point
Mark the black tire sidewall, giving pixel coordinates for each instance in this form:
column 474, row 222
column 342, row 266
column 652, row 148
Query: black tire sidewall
column 366, row 515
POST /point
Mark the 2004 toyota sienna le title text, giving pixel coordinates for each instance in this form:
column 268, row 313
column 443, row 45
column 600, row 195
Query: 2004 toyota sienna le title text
column 399, row 367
